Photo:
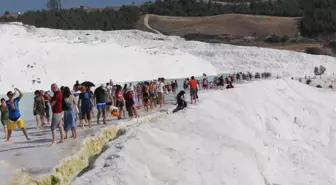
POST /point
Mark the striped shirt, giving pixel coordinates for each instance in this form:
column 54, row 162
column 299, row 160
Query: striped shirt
column 139, row 91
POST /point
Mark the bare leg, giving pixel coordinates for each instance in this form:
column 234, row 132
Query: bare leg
column 92, row 114
column 82, row 123
column 120, row 113
column 89, row 122
column 65, row 134
column 53, row 133
column 108, row 109
column 25, row 133
column 8, row 135
column 74, row 134
column 135, row 111
column 139, row 101
column 104, row 116
column 98, row 115
column 124, row 112
column 61, row 129
column 6, row 131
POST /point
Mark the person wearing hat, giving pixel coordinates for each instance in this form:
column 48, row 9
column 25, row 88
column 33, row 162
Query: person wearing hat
column 14, row 114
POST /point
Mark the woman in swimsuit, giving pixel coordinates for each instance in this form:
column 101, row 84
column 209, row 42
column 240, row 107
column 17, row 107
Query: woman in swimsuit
column 152, row 95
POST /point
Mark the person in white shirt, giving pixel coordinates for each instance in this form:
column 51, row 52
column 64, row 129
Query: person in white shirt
column 160, row 91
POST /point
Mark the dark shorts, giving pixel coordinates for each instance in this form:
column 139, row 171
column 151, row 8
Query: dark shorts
column 130, row 110
column 101, row 105
column 119, row 103
column 85, row 112
column 4, row 122
column 47, row 110
column 193, row 92
column 152, row 95
column 109, row 103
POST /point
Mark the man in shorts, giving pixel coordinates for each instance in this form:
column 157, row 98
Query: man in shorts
column 193, row 89
column 100, row 100
column 14, row 115
column 57, row 114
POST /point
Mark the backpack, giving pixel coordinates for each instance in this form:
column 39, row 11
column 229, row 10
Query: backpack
column 129, row 95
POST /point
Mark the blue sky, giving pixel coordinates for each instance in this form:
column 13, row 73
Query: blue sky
column 25, row 5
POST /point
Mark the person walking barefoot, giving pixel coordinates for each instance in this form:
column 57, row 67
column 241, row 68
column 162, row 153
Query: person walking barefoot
column 57, row 114
column 14, row 114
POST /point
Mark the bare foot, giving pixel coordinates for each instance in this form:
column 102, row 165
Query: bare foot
column 66, row 137
column 60, row 142
column 28, row 138
column 52, row 144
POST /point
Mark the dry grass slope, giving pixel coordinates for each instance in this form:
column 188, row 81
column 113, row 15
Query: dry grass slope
column 231, row 24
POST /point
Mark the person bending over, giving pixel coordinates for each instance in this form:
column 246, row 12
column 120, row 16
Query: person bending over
column 180, row 102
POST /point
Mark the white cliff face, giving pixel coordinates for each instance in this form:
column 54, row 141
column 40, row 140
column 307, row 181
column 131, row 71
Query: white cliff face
column 37, row 57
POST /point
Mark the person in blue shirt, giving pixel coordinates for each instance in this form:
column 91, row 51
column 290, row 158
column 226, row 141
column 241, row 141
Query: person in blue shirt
column 85, row 102
column 14, row 114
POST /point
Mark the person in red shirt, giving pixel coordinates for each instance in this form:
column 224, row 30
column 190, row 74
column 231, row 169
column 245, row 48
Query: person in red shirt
column 193, row 89
column 57, row 113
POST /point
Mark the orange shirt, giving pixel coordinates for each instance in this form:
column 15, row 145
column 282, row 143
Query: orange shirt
column 193, row 84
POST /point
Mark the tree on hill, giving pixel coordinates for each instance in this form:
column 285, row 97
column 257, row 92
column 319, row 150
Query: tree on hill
column 319, row 70
column 54, row 4
column 316, row 71
column 322, row 70
column 318, row 15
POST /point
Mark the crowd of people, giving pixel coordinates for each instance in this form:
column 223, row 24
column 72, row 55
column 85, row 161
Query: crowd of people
column 70, row 107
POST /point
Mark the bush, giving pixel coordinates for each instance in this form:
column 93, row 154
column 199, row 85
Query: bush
column 308, row 81
column 332, row 45
column 272, row 39
column 331, row 86
column 257, row 76
column 266, row 74
column 315, row 51
column 319, row 86
column 285, row 38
